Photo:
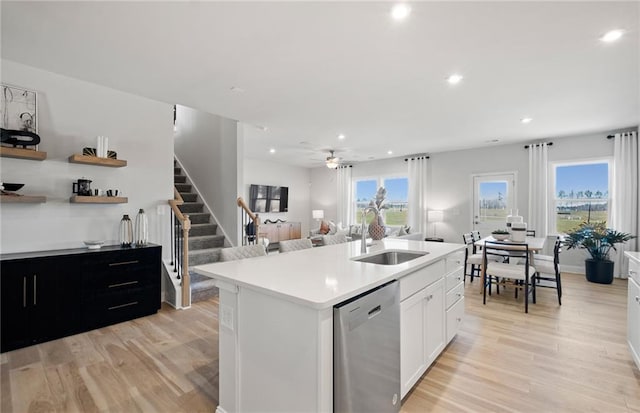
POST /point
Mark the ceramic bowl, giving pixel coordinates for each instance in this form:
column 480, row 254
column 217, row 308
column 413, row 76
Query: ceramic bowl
column 93, row 244
column 501, row 237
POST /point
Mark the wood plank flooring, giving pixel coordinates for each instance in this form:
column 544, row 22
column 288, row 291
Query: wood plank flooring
column 555, row 359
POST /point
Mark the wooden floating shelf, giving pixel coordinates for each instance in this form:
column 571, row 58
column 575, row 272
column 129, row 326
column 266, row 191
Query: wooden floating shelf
column 77, row 199
column 24, row 199
column 21, row 153
column 94, row 160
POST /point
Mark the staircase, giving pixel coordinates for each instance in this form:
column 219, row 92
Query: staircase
column 204, row 242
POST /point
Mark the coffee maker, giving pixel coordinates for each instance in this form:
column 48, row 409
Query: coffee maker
column 82, row 187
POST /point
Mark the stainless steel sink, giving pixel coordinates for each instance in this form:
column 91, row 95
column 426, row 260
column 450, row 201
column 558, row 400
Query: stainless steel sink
column 391, row 257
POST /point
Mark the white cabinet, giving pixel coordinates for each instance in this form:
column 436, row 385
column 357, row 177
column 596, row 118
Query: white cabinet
column 435, row 326
column 633, row 310
column 425, row 328
column 413, row 350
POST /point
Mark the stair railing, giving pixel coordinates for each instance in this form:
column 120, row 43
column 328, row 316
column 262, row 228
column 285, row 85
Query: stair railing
column 250, row 223
column 180, row 226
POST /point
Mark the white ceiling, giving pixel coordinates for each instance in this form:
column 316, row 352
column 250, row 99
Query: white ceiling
column 312, row 70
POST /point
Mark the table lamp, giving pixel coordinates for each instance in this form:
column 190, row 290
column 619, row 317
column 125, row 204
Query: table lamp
column 317, row 214
column 435, row 217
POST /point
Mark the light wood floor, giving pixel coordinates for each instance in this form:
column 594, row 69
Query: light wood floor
column 555, row 359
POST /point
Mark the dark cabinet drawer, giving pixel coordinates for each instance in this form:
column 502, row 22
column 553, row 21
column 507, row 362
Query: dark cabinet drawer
column 121, row 306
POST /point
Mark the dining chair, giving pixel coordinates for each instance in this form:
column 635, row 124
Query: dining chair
column 520, row 275
column 242, row 252
column 295, row 245
column 471, row 257
column 333, row 239
column 549, row 265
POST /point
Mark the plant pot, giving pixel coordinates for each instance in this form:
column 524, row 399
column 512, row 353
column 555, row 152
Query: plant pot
column 599, row 271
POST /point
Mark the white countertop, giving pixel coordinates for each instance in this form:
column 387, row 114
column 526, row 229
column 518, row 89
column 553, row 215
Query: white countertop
column 634, row 255
column 323, row 276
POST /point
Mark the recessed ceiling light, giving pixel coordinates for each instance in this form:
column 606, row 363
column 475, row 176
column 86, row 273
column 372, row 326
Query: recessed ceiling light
column 526, row 120
column 400, row 11
column 612, row 36
column 272, row 150
column 341, row 136
column 454, row 79
column 237, row 89
column 389, row 152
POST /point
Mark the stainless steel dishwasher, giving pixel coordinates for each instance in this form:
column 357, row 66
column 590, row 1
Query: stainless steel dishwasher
column 366, row 352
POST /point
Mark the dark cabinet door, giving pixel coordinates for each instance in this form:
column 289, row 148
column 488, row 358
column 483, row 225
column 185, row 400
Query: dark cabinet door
column 14, row 318
column 29, row 297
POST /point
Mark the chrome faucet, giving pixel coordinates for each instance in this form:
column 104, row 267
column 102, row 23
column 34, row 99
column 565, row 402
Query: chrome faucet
column 363, row 242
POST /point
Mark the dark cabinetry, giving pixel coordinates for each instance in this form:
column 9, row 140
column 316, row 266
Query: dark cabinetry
column 53, row 294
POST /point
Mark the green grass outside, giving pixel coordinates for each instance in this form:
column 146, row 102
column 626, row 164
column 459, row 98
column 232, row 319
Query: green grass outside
column 391, row 217
column 567, row 223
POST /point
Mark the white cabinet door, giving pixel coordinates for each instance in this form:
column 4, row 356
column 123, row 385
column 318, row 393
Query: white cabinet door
column 633, row 319
column 435, row 320
column 413, row 351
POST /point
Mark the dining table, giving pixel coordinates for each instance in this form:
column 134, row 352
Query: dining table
column 535, row 245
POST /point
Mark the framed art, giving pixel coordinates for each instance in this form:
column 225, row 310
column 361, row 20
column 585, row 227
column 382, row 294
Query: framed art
column 19, row 109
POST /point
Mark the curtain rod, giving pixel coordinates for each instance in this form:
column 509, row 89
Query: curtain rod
column 613, row 136
column 536, row 144
column 417, row 157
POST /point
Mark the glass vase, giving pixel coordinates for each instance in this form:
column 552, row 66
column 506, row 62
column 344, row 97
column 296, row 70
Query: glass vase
column 141, row 233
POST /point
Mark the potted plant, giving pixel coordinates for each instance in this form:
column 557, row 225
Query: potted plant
column 376, row 228
column 598, row 240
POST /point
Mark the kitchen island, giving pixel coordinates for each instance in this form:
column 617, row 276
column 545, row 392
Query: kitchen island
column 276, row 318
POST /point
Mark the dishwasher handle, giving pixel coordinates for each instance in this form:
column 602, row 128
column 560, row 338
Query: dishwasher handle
column 374, row 312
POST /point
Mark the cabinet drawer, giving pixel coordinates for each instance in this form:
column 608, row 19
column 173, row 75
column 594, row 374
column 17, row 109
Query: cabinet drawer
column 114, row 308
column 454, row 261
column 123, row 258
column 455, row 315
column 634, row 270
column 121, row 278
column 454, row 294
column 454, row 278
column 421, row 278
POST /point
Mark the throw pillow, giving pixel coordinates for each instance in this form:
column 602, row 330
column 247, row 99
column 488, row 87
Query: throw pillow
column 324, row 228
column 408, row 229
column 332, row 228
column 402, row 231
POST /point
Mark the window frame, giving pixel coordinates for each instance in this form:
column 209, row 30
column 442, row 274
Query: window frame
column 552, row 198
column 379, row 182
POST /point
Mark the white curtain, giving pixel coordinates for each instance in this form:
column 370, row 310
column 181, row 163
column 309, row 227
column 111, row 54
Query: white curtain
column 626, row 196
column 345, row 195
column 538, row 187
column 418, row 194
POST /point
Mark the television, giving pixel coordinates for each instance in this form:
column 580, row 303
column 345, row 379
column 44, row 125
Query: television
column 265, row 198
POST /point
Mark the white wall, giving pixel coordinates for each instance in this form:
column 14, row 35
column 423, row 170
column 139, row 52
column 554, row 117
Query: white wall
column 450, row 183
column 71, row 113
column 207, row 146
column 296, row 178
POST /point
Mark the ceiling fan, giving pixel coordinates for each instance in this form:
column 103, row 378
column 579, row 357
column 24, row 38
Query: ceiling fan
column 332, row 161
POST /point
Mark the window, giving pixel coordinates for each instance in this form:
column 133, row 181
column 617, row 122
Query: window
column 396, row 200
column 580, row 194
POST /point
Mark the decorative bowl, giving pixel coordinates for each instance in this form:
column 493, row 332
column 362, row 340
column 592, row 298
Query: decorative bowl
column 501, row 237
column 11, row 187
column 93, row 244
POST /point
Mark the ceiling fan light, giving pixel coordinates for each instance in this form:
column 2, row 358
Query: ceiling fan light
column 332, row 163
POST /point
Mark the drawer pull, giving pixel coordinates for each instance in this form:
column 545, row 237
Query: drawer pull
column 123, row 284
column 459, row 294
column 114, row 264
column 115, row 307
column 35, row 288
column 24, row 292
column 637, row 299
column 458, row 319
